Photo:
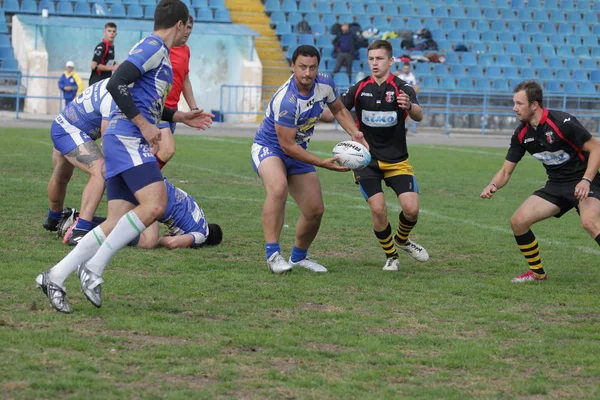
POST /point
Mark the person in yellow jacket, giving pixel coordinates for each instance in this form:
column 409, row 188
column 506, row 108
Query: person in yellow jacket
column 70, row 83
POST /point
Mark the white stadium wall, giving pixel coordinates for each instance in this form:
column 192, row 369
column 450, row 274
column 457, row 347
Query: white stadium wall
column 220, row 54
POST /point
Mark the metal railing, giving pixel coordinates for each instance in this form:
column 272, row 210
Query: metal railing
column 452, row 105
column 20, row 86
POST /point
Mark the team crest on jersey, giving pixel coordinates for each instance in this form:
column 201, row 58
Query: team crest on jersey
column 549, row 137
column 389, row 97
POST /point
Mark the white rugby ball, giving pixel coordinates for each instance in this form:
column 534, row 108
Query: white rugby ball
column 351, row 154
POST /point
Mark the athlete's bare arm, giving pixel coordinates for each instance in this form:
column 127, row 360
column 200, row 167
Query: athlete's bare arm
column 500, row 179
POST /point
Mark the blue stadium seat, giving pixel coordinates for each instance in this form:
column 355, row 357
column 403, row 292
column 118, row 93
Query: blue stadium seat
column 126, row 2
column 580, row 75
column 475, row 71
column 407, row 11
column 555, row 63
column 306, row 38
column 474, row 13
column 447, row 83
column 534, row 4
column 423, row 11
column 549, row 28
column 390, row 10
column 311, row 18
column 135, row 11
column 197, row 3
column 553, row 86
column 478, row 47
column 293, row 19
column 150, row 2
column 490, row 14
column 29, row 7
column 452, row 58
column 329, row 19
column 482, row 26
column 276, row 17
column 458, row 71
column 467, row 3
column 413, row 24
column 440, row 12
column 489, row 36
column 283, row 28
column 556, row 40
column 572, row 63
column 503, row 60
column 595, row 76
column 584, row 5
column 538, row 62
column 272, row 5
column 4, row 41
column 590, row 18
column 574, row 40
column 468, row 59
column 448, row 24
column 486, row 60
column 323, row 40
column 586, row 88
column 341, row 79
column 381, row 23
column 506, row 37
column 464, row 25
column 431, row 24
column 440, row 70
column 430, row 82
column 455, row 36
column 472, row 37
column 568, row 4
column 10, row 65
column 217, row 4
column 565, row 29
column 574, row 17
column 206, row 15
column 590, row 41
column 117, row 11
column 547, row 50
column 465, row 83
column 596, row 52
column 523, row 38
column 564, row 75
column 557, row 15
column 532, row 27
column 596, row 29
column 564, row 51
column 520, row 61
column 340, row 9
column 582, row 51
column 507, row 14
column 222, row 15
column 540, row 38
column 47, row 4
column 546, row 74
column 482, row 84
column 444, row 45
column 319, row 29
column 540, row 16
column 528, row 74
column 530, row 49
column 11, row 6
column 496, row 48
column 515, row 27
column 306, row 6
column 358, row 9
column 289, row 6
column 6, row 53
column 493, row 72
column 524, row 14
column 149, row 11
column 501, row 84
column 511, row 73
column 513, row 49
column 589, row 64
column 498, row 25
column 82, row 9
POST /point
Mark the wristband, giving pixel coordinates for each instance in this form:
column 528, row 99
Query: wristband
column 587, row 180
column 194, row 109
column 494, row 185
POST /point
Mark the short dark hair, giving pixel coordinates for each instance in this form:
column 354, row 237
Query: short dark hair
column 191, row 19
column 381, row 44
column 533, row 91
column 306, row 50
column 110, row 25
column 168, row 13
column 215, row 235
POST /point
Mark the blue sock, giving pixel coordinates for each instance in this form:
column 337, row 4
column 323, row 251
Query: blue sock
column 272, row 248
column 84, row 225
column 298, row 254
column 55, row 215
column 97, row 221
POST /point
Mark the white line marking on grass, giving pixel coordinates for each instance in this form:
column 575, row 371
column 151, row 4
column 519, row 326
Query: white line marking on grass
column 219, row 139
column 460, row 150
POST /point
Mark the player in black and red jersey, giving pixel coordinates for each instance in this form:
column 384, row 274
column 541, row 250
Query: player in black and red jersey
column 103, row 62
column 571, row 157
column 382, row 102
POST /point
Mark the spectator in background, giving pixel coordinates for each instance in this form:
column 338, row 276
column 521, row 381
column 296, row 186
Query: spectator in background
column 345, row 50
column 426, row 42
column 407, row 76
column 103, row 63
column 70, row 83
column 303, row 27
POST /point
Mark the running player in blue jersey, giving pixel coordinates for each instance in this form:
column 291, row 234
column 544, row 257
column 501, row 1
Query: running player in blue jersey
column 186, row 221
column 136, row 193
column 280, row 158
column 74, row 132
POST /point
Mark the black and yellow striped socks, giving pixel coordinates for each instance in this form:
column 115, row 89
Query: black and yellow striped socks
column 529, row 248
column 404, row 228
column 385, row 240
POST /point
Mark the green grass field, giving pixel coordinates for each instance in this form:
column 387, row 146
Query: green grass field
column 214, row 323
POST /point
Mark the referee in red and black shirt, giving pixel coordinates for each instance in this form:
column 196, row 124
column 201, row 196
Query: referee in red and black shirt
column 103, row 63
column 571, row 156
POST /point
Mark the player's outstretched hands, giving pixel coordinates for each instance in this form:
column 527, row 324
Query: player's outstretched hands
column 198, row 119
column 488, row 191
column 360, row 138
column 333, row 165
column 151, row 133
column 403, row 100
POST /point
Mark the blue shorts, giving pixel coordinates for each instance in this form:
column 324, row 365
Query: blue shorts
column 165, row 124
column 125, row 152
column 292, row 166
column 126, row 184
column 67, row 137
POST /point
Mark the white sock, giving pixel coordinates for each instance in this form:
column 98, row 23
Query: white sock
column 128, row 227
column 87, row 247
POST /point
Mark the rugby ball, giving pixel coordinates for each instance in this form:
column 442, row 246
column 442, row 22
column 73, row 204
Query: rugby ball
column 351, row 154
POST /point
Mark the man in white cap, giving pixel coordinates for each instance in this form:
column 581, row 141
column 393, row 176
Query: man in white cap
column 70, row 83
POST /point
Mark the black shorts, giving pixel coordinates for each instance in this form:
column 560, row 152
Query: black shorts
column 398, row 176
column 562, row 194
